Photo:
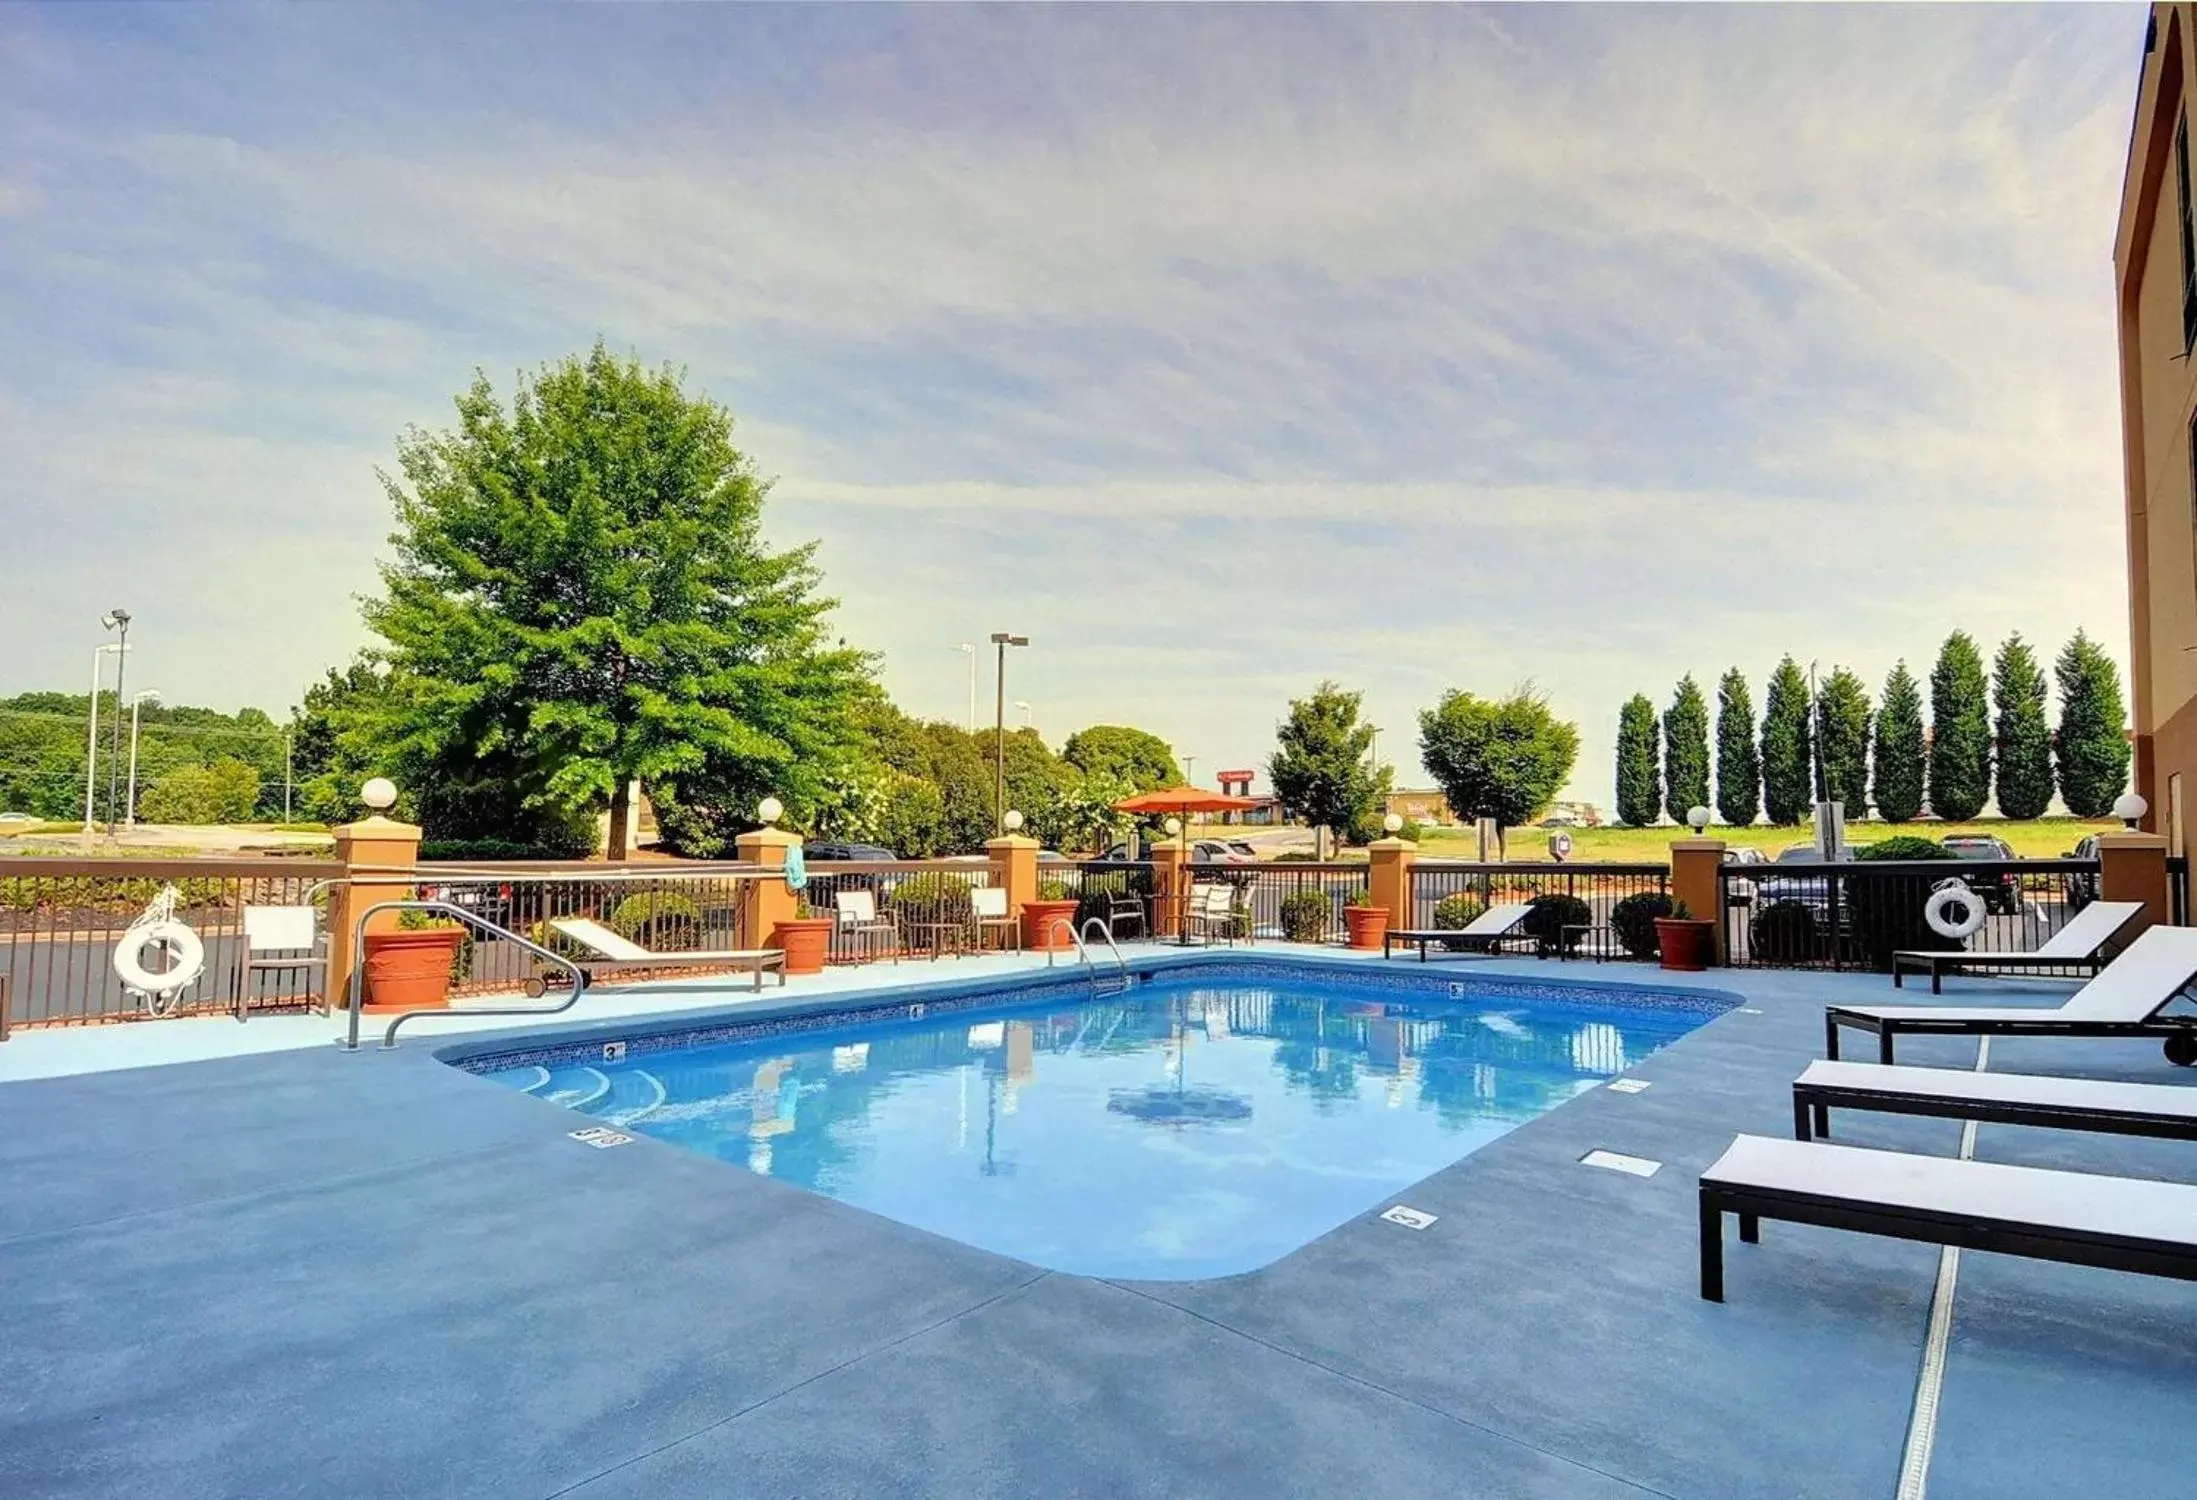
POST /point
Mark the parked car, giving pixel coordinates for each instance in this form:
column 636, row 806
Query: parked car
column 2082, row 887
column 2001, row 893
column 1219, row 852
column 16, row 817
column 1814, row 890
column 1740, row 890
column 833, row 849
column 1243, row 847
column 488, row 900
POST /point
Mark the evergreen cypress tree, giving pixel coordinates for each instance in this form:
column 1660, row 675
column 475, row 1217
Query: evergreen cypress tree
column 1639, row 781
column 2024, row 736
column 2092, row 746
column 1901, row 748
column 1842, row 745
column 1960, row 731
column 1787, row 740
column 1686, row 750
column 1738, row 763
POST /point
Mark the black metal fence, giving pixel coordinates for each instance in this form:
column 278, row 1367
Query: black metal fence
column 1856, row 914
column 1581, row 897
column 2177, row 890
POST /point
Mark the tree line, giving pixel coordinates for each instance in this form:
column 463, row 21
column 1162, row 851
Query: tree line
column 193, row 764
column 1987, row 738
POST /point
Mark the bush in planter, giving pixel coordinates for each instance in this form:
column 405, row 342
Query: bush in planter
column 933, row 896
column 1054, row 890
column 1904, row 846
column 1785, row 932
column 461, row 962
column 1460, row 910
column 661, row 920
column 1547, row 917
column 1307, row 916
column 1633, row 920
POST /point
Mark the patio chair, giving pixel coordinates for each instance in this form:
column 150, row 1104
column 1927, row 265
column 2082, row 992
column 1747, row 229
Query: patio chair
column 618, row 954
column 277, row 940
column 1122, row 907
column 1213, row 912
column 1491, row 929
column 2082, row 943
column 858, row 921
column 2154, row 1109
column 2124, row 998
column 2119, row 1223
column 989, row 912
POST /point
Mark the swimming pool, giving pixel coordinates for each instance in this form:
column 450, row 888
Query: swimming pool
column 1205, row 1122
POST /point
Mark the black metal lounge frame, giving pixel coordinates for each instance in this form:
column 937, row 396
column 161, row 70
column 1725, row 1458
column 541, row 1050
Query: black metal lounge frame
column 1813, row 1103
column 1969, row 1232
column 2180, row 1034
column 1938, row 965
column 1425, row 936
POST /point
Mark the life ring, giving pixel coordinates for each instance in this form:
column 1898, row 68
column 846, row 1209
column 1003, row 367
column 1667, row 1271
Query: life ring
column 1942, row 922
column 159, row 987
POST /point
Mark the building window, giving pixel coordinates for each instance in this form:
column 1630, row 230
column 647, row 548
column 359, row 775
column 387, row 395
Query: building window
column 2189, row 236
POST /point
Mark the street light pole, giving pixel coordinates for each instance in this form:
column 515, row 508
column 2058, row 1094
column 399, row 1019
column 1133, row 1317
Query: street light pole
column 129, row 805
column 116, row 619
column 91, row 739
column 1002, row 639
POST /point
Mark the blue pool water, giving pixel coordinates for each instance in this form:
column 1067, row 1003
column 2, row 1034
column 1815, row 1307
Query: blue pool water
column 1192, row 1127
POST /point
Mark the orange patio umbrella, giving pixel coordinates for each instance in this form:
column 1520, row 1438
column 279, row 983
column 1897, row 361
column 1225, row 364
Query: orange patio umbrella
column 1184, row 799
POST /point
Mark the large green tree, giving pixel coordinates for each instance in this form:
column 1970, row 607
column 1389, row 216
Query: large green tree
column 1686, row 749
column 1322, row 766
column 582, row 596
column 1960, row 731
column 1842, row 740
column 1141, row 759
column 1900, row 748
column 2092, row 746
column 1639, row 773
column 2024, row 761
column 1788, row 742
column 1500, row 758
column 1738, row 762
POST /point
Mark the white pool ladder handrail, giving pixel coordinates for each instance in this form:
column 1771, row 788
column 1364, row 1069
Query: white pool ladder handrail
column 1083, row 953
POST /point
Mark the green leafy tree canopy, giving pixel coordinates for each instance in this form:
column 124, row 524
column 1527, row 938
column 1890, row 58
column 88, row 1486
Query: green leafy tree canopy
column 1842, row 740
column 1738, row 762
column 1960, row 731
column 1141, row 759
column 2024, row 786
column 2092, row 746
column 1639, row 776
column 1788, row 743
column 1899, row 750
column 1500, row 758
column 1322, row 766
column 1686, row 750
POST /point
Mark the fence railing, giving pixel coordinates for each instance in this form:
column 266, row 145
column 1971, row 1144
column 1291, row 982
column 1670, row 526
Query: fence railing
column 60, row 920
column 1590, row 892
column 1854, row 915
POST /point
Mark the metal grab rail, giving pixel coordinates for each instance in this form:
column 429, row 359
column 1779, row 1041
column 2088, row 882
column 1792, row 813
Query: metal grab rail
column 1083, row 954
column 503, row 934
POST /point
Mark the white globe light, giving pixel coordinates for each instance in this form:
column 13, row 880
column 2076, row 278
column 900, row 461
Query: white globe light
column 770, row 810
column 1013, row 820
column 1174, row 826
column 1393, row 823
column 1697, row 817
column 380, row 794
column 2130, row 808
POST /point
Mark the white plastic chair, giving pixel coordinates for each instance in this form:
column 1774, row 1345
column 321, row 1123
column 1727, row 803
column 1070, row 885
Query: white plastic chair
column 277, row 939
column 988, row 909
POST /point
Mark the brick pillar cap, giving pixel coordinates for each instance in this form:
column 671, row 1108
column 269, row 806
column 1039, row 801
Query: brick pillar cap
column 1391, row 845
column 2126, row 840
column 1698, row 846
column 1012, row 841
column 769, row 838
column 377, row 827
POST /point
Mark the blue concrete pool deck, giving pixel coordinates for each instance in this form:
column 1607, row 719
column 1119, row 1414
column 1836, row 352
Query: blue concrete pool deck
column 298, row 1271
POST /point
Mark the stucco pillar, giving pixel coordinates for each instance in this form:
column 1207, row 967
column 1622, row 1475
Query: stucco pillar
column 769, row 902
column 1170, row 887
column 380, row 858
column 1695, row 865
column 2132, row 867
column 1388, row 879
column 1014, row 869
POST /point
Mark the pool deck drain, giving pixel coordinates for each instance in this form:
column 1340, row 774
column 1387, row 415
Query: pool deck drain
column 1618, row 1161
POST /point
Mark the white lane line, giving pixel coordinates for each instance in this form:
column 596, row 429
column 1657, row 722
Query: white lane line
column 1922, row 1423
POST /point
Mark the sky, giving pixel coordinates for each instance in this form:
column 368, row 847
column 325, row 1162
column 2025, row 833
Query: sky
column 1219, row 351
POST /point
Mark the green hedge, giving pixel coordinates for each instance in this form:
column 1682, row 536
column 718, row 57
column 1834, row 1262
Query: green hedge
column 1547, row 917
column 1633, row 920
column 1307, row 916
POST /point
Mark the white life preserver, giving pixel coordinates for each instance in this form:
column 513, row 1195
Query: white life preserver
column 1942, row 922
column 162, row 986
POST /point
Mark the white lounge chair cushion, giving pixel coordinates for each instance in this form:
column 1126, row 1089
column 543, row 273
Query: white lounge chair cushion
column 2167, row 1100
column 2147, row 976
column 619, row 949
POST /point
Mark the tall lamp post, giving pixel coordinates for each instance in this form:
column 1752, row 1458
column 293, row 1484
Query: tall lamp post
column 129, row 803
column 116, row 619
column 1002, row 640
column 968, row 649
column 91, row 737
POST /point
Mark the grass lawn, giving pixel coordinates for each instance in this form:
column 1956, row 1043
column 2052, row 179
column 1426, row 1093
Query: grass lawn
column 2038, row 838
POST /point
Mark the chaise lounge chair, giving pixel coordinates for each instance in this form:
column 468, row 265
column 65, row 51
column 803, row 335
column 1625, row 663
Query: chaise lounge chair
column 2155, row 1109
column 619, row 953
column 2123, row 999
column 2117, row 1222
column 1491, row 929
column 2082, row 943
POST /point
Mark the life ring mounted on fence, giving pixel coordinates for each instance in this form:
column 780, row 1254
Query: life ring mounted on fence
column 159, row 987
column 1938, row 911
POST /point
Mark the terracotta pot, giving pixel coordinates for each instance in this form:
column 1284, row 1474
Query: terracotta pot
column 1042, row 924
column 806, row 942
column 1687, row 943
column 410, row 970
column 1367, row 924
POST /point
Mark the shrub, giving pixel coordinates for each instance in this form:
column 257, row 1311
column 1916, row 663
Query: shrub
column 1460, row 910
column 1785, row 932
column 662, row 920
column 1054, row 890
column 1633, row 920
column 459, row 851
column 933, row 896
column 1547, row 917
column 1307, row 916
column 1903, row 846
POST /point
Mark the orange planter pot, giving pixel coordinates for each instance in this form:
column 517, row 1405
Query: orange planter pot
column 1688, row 944
column 1367, row 924
column 410, row 970
column 806, row 942
column 1041, row 924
